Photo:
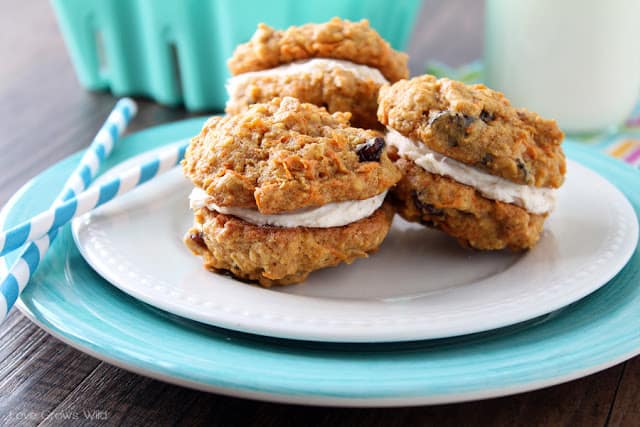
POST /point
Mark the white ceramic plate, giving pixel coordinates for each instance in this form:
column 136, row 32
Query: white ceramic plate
column 420, row 284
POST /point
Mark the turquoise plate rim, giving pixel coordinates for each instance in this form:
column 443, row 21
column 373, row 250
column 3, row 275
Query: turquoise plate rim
column 73, row 303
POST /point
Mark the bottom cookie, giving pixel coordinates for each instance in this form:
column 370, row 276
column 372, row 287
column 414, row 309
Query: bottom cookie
column 460, row 211
column 336, row 90
column 281, row 256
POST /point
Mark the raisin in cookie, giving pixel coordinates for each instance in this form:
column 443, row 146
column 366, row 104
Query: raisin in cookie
column 339, row 65
column 473, row 165
column 286, row 188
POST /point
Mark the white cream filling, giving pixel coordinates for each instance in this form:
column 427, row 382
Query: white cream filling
column 329, row 215
column 534, row 199
column 315, row 65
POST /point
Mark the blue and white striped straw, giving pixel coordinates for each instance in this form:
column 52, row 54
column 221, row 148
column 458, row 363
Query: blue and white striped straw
column 106, row 139
column 54, row 218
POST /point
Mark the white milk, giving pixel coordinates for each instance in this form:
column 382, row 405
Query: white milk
column 577, row 61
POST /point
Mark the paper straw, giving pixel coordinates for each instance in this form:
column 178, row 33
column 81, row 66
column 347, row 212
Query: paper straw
column 100, row 148
column 54, row 218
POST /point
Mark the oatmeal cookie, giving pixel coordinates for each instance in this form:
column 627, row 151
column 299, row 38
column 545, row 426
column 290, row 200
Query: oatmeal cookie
column 460, row 211
column 477, row 126
column 473, row 166
column 339, row 65
column 337, row 39
column 285, row 188
column 286, row 155
column 281, row 256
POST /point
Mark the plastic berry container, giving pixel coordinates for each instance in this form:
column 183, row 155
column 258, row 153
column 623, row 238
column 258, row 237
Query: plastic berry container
column 175, row 51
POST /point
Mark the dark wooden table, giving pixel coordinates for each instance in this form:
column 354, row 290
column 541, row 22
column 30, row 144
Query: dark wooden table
column 45, row 115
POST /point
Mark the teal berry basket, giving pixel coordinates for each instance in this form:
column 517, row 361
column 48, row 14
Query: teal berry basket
column 175, row 51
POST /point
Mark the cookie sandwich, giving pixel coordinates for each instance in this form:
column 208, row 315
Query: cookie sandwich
column 473, row 166
column 285, row 188
column 339, row 65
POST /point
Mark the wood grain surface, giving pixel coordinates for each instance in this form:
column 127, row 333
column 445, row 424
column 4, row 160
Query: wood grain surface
column 45, row 116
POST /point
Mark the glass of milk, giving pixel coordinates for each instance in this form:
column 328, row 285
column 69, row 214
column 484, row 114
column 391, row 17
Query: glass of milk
column 577, row 61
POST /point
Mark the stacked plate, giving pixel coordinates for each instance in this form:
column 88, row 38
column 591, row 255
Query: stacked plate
column 421, row 321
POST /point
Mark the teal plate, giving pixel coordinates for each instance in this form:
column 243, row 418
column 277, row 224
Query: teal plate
column 69, row 300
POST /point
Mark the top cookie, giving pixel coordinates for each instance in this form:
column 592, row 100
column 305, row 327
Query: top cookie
column 477, row 126
column 286, row 155
column 338, row 39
